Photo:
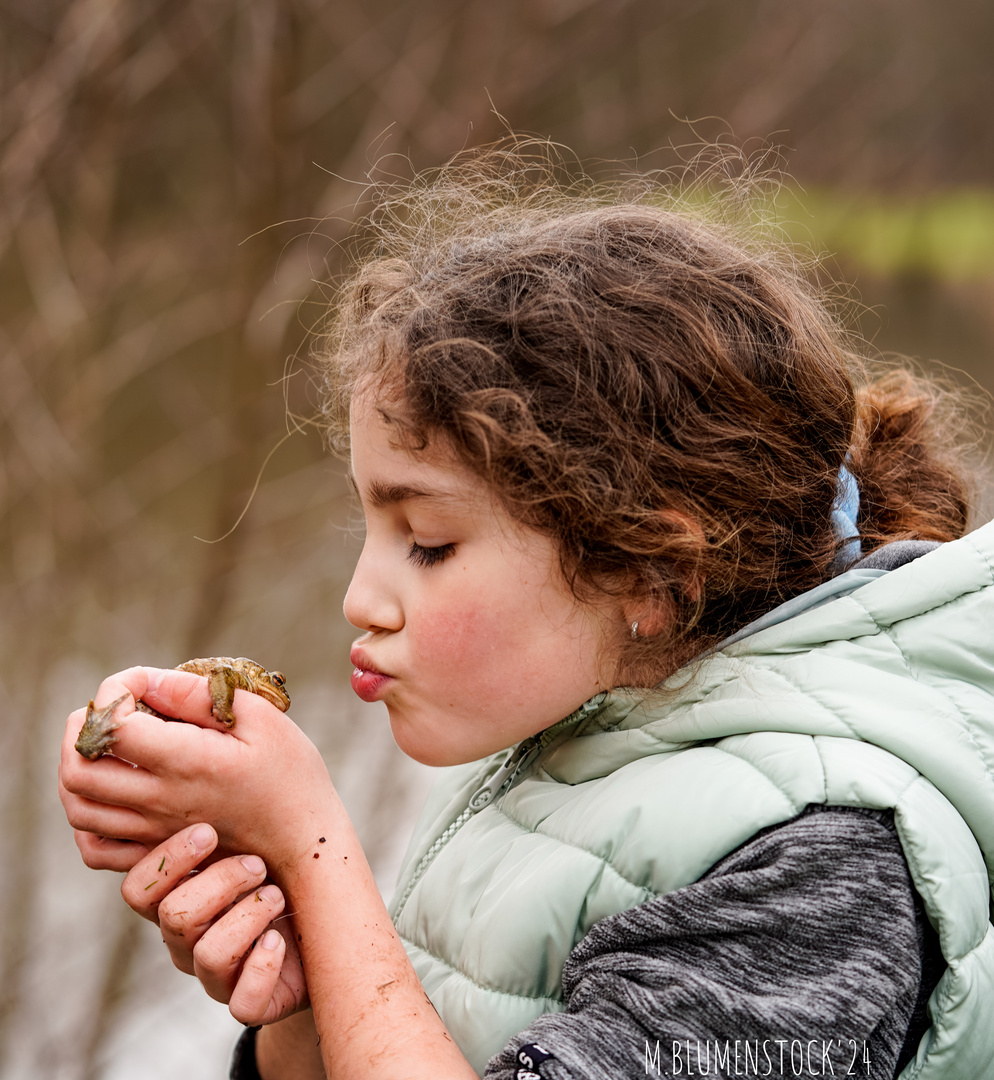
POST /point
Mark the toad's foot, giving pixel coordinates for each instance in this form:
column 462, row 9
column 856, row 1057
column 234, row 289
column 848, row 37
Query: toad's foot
column 96, row 734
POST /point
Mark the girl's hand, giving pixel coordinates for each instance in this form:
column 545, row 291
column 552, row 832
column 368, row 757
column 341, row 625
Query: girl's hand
column 262, row 785
column 264, row 789
column 218, row 925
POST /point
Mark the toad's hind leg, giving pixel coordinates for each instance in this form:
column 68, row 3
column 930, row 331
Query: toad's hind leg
column 97, row 733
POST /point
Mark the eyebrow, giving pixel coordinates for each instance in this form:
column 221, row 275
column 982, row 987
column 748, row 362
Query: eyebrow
column 381, row 494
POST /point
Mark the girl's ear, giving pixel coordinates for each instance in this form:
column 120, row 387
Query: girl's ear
column 654, row 613
column 649, row 616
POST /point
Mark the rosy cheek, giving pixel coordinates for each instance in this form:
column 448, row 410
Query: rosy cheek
column 461, row 635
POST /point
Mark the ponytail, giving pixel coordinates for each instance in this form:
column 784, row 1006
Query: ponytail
column 914, row 481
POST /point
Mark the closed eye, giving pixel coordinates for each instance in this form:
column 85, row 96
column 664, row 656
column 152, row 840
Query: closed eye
column 429, row 556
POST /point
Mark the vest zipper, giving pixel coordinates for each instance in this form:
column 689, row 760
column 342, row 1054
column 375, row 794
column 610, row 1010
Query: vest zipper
column 502, row 778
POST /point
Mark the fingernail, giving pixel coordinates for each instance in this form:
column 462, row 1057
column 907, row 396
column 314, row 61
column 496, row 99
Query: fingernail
column 254, row 865
column 270, row 892
column 270, row 940
column 202, row 838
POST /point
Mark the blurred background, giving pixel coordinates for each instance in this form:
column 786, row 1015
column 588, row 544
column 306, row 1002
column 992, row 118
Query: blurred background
column 176, row 179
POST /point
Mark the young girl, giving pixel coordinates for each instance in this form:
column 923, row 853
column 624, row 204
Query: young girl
column 686, row 607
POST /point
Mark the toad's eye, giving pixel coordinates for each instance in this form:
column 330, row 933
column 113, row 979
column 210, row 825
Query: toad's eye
column 277, row 677
column 429, row 556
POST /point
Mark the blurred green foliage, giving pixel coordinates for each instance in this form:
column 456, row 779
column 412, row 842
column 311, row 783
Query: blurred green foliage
column 946, row 236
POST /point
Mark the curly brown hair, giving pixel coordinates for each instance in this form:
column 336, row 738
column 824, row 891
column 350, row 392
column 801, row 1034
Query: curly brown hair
column 669, row 402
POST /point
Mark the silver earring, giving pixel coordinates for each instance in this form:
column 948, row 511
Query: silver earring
column 635, row 631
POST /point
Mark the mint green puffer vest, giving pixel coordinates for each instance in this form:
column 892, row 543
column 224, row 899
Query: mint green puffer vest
column 880, row 698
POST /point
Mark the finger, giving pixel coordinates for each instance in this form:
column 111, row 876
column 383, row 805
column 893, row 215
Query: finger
column 104, row 853
column 186, row 696
column 179, row 695
column 156, row 875
column 73, row 723
column 132, row 681
column 121, row 822
column 186, row 914
column 253, row 1000
column 218, row 955
column 166, row 748
column 146, row 749
column 94, row 780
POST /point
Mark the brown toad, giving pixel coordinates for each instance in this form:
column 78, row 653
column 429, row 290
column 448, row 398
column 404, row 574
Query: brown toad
column 225, row 675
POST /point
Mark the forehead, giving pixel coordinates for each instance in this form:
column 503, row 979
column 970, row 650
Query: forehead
column 386, row 470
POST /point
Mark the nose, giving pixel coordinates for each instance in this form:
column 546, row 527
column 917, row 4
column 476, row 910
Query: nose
column 373, row 602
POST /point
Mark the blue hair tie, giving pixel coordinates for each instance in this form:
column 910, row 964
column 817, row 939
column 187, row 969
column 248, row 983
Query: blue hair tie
column 845, row 511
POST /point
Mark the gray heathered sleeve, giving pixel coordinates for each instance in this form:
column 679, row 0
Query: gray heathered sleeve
column 799, row 953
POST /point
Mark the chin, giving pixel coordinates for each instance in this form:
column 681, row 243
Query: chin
column 421, row 746
column 427, row 752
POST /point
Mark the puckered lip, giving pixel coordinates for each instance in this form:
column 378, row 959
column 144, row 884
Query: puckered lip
column 362, row 662
column 368, row 682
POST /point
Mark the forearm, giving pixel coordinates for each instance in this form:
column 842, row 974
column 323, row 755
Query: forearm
column 370, row 1009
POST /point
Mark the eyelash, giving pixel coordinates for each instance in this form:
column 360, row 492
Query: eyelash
column 429, row 556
